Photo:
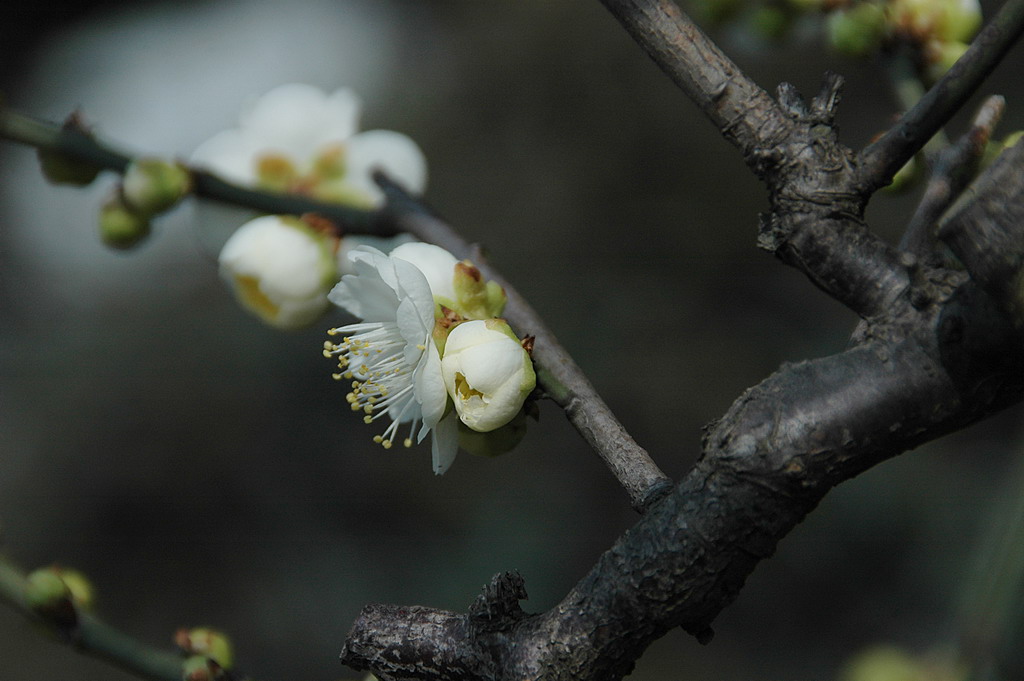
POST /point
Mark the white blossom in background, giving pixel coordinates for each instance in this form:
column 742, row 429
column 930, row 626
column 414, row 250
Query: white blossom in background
column 390, row 356
column 487, row 372
column 280, row 270
column 298, row 139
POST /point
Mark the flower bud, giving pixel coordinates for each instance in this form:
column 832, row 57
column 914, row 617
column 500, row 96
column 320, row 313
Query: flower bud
column 940, row 57
column 942, row 20
column 121, row 226
column 280, row 269
column 49, row 597
column 857, row 31
column 207, row 642
column 81, row 589
column 199, row 668
column 152, row 185
column 487, row 373
column 476, row 298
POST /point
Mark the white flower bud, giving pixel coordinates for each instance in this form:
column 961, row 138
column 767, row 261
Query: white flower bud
column 280, row 269
column 487, row 373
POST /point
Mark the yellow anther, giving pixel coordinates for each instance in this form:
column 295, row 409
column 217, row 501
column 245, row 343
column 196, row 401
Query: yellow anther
column 407, row 442
column 336, row 377
column 366, row 419
column 386, row 444
column 378, row 439
column 421, row 346
column 327, row 354
column 368, row 409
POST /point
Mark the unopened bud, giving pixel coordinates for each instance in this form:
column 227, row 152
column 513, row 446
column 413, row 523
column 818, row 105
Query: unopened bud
column 207, row 642
column 49, row 597
column 120, row 226
column 199, row 668
column 83, row 594
column 61, row 169
column 857, row 31
column 152, row 185
column 487, row 373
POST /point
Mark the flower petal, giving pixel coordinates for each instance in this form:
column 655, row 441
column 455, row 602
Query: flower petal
column 387, row 150
column 228, row 154
column 436, row 264
column 298, row 119
column 429, row 388
column 445, row 444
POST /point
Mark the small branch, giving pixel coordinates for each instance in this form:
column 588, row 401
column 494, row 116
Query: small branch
column 80, row 145
column 954, row 167
column 985, row 228
column 557, row 374
column 880, row 160
column 745, row 114
column 93, row 637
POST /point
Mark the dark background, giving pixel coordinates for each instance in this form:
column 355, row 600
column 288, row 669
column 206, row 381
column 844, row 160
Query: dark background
column 205, row 470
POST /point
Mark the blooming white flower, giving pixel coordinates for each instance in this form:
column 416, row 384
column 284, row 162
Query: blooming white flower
column 436, row 264
column 390, row 356
column 280, row 269
column 487, row 372
column 298, row 139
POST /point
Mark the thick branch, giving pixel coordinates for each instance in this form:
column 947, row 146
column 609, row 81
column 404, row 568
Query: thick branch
column 880, row 160
column 919, row 373
column 745, row 114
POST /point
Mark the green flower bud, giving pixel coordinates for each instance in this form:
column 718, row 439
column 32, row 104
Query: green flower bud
column 49, row 597
column 83, row 595
column 857, row 31
column 771, row 23
column 476, row 298
column 199, row 668
column 207, row 642
column 120, row 226
column 941, row 56
column 152, row 185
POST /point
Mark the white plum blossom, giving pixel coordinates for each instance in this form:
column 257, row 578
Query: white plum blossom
column 298, row 139
column 487, row 372
column 280, row 269
column 390, row 356
column 436, row 264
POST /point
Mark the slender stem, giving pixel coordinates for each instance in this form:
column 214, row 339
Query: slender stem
column 80, row 145
column 746, row 115
column 881, row 159
column 95, row 638
column 557, row 373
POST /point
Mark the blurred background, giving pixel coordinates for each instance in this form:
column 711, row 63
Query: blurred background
column 204, row 469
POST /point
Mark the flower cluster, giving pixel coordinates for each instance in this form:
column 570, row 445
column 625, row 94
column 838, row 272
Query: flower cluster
column 430, row 351
column 297, row 139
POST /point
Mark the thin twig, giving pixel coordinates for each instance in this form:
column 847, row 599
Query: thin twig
column 557, row 374
column 880, row 160
column 95, row 638
column 954, row 167
column 82, row 146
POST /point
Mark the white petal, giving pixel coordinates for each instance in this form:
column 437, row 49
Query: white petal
column 387, row 150
column 298, row 119
column 413, row 283
column 429, row 387
column 487, row 367
column 230, row 155
column 445, row 443
column 436, row 264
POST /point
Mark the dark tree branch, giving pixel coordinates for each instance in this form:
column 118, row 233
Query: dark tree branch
column 986, row 231
column 953, row 168
column 745, row 114
column 880, row 160
column 920, row 371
